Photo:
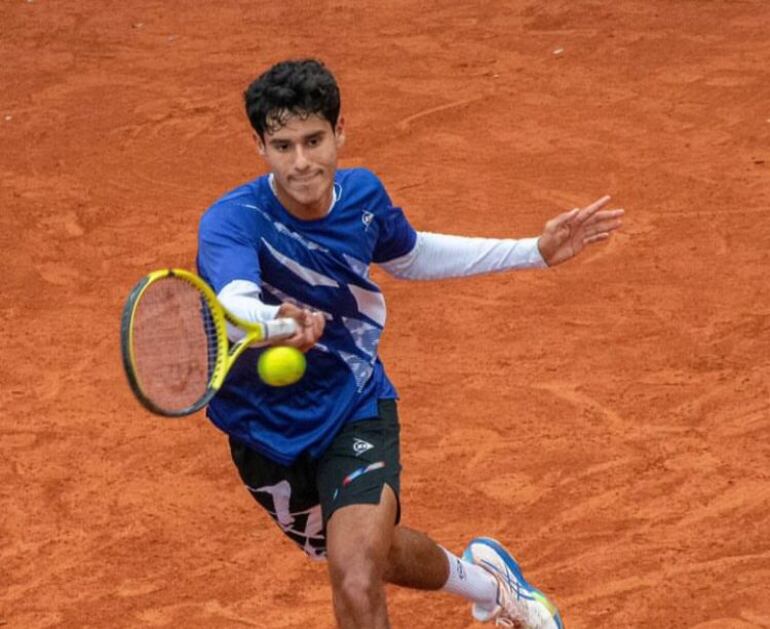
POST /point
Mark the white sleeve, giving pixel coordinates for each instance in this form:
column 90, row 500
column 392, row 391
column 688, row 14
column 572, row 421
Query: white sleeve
column 243, row 299
column 437, row 256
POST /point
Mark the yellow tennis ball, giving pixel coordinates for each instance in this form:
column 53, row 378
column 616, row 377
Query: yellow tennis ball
column 281, row 366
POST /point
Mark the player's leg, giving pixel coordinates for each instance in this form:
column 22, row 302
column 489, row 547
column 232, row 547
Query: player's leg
column 358, row 542
column 365, row 552
column 358, row 483
column 366, row 549
column 486, row 574
column 415, row 561
column 358, row 478
column 369, row 510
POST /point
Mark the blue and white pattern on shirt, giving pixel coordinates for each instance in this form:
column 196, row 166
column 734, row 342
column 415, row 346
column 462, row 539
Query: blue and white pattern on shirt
column 321, row 264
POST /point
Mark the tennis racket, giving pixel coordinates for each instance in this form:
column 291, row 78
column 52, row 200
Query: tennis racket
column 173, row 337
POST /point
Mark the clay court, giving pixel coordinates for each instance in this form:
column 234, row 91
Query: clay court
column 609, row 420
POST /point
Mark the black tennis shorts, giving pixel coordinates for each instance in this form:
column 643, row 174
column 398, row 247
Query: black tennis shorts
column 301, row 498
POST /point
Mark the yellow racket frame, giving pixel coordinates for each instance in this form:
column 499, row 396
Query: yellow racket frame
column 226, row 355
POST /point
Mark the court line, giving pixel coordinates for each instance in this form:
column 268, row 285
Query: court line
column 404, row 124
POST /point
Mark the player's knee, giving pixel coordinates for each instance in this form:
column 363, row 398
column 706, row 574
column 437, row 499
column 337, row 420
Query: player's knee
column 359, row 590
column 357, row 584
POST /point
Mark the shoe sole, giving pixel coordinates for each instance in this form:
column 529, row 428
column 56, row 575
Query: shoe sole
column 536, row 594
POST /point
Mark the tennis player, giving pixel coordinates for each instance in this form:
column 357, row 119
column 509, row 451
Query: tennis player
column 322, row 456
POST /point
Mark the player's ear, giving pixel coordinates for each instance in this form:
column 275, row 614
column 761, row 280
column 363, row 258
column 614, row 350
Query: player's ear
column 260, row 144
column 339, row 132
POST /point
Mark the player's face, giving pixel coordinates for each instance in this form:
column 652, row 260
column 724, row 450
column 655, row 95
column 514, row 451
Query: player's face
column 302, row 154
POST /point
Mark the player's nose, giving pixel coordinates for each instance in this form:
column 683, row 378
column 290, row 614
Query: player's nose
column 300, row 159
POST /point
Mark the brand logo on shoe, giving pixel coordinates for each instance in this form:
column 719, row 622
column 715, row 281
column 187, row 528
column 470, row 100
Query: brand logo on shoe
column 460, row 570
column 360, row 446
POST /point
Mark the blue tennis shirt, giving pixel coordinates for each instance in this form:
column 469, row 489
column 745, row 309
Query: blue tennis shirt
column 322, row 264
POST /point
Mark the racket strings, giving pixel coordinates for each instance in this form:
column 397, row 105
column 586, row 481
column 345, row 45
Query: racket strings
column 174, row 344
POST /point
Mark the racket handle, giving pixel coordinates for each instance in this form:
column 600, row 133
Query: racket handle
column 280, row 329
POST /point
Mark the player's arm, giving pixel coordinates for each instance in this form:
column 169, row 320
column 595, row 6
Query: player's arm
column 244, row 299
column 436, row 256
column 228, row 259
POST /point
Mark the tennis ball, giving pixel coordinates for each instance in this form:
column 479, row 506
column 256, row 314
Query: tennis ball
column 281, row 366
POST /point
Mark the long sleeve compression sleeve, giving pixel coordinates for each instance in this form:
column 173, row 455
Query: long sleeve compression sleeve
column 437, row 256
column 243, row 299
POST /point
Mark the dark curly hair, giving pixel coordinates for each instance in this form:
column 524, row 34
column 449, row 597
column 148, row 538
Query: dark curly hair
column 292, row 88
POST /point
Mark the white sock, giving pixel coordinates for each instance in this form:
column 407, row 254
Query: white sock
column 470, row 581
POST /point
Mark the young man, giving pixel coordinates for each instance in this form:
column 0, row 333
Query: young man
column 322, row 456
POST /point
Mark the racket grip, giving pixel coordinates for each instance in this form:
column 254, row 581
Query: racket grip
column 280, row 329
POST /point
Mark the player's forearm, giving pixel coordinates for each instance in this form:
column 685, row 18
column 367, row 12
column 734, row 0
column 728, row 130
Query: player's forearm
column 243, row 299
column 437, row 256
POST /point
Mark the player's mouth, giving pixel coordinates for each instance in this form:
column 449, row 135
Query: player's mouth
column 305, row 179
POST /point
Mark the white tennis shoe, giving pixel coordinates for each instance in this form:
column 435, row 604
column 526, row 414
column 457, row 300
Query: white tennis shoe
column 519, row 604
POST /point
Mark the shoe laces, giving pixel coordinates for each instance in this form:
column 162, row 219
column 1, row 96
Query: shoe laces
column 512, row 612
column 515, row 623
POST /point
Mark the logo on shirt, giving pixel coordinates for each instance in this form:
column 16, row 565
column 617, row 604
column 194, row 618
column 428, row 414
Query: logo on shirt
column 360, row 446
column 366, row 219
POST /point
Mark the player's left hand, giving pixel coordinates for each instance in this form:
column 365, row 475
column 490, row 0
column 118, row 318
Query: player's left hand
column 569, row 233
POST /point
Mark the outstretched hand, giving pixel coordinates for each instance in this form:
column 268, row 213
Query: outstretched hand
column 569, row 233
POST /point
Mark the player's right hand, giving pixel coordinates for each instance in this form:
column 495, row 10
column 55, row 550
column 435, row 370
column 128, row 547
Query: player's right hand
column 310, row 323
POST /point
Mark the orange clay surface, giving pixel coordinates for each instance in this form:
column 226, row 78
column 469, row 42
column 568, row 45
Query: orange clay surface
column 608, row 420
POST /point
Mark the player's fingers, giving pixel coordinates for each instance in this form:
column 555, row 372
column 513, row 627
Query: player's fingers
column 311, row 330
column 287, row 309
column 589, row 210
column 562, row 219
column 306, row 347
column 307, row 342
column 605, row 215
column 595, row 238
column 608, row 225
column 310, row 326
column 313, row 321
column 298, row 340
column 318, row 325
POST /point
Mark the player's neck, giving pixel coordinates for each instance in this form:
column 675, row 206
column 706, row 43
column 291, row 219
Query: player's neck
column 304, row 211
